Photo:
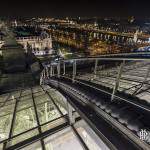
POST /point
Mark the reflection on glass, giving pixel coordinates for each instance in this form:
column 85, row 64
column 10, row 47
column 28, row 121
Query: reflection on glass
column 5, row 110
column 37, row 94
column 63, row 140
column 8, row 102
column 37, row 89
column 59, row 100
column 89, row 137
column 24, row 104
column 41, row 98
column 25, row 97
column 45, row 87
column 53, row 124
column 4, row 97
column 5, row 123
column 26, row 92
column 25, row 120
column 23, row 137
column 64, row 112
column 15, row 94
column 47, row 112
column 6, row 113
column 34, row 146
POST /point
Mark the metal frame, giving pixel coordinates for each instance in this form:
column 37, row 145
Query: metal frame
column 117, row 80
column 74, row 71
column 64, row 68
column 80, row 138
column 86, row 110
column 95, row 68
column 58, row 69
column 144, row 81
column 6, row 142
column 70, row 114
column 108, row 58
column 37, row 120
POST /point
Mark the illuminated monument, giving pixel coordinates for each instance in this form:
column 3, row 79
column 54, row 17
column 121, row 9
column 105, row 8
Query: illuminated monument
column 39, row 45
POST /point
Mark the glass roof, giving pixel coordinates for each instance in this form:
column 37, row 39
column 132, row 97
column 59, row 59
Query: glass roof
column 24, row 112
column 37, row 118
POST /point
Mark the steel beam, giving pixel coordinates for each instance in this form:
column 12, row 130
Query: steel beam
column 144, row 81
column 116, row 86
column 95, row 68
column 111, row 58
column 64, row 68
column 80, row 138
column 41, row 78
column 74, row 71
column 41, row 136
column 51, row 70
column 70, row 114
column 58, row 69
column 47, row 72
column 37, row 119
column 8, row 143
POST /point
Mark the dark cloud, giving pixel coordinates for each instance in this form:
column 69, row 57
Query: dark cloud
column 60, row 8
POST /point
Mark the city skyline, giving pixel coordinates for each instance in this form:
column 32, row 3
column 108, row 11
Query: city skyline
column 74, row 75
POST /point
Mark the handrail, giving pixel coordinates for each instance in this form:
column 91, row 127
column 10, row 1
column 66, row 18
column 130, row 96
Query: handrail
column 131, row 56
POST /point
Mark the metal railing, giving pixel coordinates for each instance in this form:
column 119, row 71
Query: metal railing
column 60, row 68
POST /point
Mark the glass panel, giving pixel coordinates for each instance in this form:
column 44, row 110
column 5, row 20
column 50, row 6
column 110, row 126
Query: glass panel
column 92, row 141
column 57, row 96
column 47, row 112
column 1, row 146
column 64, row 112
column 25, row 120
column 87, row 139
column 14, row 95
column 37, row 89
column 38, row 94
column 41, row 98
column 6, row 113
column 51, row 90
column 23, row 137
column 63, row 140
column 59, row 99
column 26, row 92
column 7, row 110
column 45, row 87
column 34, row 146
column 4, row 97
column 24, row 104
column 5, row 123
column 53, row 124
column 7, row 103
column 26, row 97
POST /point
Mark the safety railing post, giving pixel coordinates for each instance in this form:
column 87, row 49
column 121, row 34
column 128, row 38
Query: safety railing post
column 58, row 69
column 116, row 86
column 51, row 71
column 74, row 71
column 41, row 78
column 95, row 68
column 64, row 68
column 70, row 114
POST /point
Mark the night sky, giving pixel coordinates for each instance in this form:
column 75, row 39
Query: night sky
column 86, row 8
